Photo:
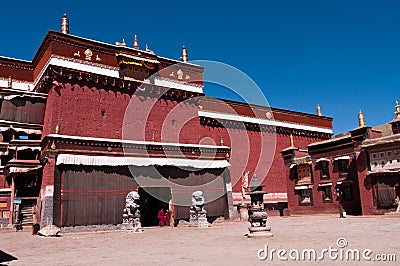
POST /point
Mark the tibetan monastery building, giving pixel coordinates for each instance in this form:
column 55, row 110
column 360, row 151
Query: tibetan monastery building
column 356, row 173
column 84, row 123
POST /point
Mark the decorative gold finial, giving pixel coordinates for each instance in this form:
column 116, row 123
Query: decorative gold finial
column 361, row 121
column 397, row 109
column 64, row 24
column 57, row 128
column 184, row 54
column 9, row 82
column 291, row 140
column 123, row 43
column 136, row 43
column 319, row 113
column 221, row 141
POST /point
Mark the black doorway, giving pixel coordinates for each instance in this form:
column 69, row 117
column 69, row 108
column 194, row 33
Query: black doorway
column 152, row 199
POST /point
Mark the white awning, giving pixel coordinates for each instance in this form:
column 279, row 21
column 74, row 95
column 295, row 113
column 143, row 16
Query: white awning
column 302, row 187
column 347, row 157
column 322, row 160
column 25, row 130
column 22, row 169
column 21, row 148
column 72, row 159
column 325, row 184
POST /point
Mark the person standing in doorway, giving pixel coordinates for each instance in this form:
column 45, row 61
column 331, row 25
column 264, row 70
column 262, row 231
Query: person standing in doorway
column 161, row 217
column 167, row 217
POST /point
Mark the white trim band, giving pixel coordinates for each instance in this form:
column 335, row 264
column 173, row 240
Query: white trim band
column 21, row 148
column 260, row 121
column 302, row 187
column 322, row 160
column 16, row 84
column 325, row 184
column 177, row 85
column 137, row 142
column 84, row 66
column 347, row 157
column 72, row 159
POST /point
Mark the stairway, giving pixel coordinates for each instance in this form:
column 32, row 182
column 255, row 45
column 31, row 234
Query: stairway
column 27, row 214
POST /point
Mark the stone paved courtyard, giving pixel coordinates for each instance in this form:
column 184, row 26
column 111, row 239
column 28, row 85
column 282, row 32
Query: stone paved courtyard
column 221, row 244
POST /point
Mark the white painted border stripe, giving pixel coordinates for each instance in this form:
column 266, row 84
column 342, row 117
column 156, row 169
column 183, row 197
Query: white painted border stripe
column 262, row 121
column 108, row 71
column 91, row 68
column 177, row 85
column 16, row 84
column 123, row 141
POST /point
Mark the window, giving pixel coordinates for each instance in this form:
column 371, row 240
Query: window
column 324, row 169
column 346, row 192
column 303, row 174
column 305, row 197
column 343, row 167
column 326, row 194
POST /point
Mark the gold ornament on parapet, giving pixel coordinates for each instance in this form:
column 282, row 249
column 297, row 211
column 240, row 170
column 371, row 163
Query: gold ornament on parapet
column 88, row 55
column 180, row 74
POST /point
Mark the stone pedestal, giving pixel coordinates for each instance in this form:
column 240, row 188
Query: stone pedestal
column 257, row 214
column 131, row 216
column 198, row 215
column 132, row 225
column 198, row 219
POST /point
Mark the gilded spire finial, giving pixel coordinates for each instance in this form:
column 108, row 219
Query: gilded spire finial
column 64, row 24
column 361, row 121
column 319, row 112
column 136, row 43
column 291, row 140
column 57, row 131
column 9, row 83
column 184, row 54
column 397, row 109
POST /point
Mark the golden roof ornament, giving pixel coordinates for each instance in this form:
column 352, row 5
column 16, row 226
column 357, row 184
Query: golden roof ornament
column 9, row 83
column 291, row 140
column 148, row 50
column 184, row 54
column 57, row 131
column 136, row 43
column 361, row 121
column 123, row 43
column 319, row 112
column 397, row 109
column 64, row 24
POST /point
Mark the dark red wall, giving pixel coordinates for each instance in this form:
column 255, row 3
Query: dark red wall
column 91, row 112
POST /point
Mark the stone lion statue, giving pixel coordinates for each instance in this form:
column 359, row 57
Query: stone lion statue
column 197, row 202
column 131, row 209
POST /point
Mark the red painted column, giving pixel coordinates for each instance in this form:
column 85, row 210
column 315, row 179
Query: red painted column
column 365, row 184
column 47, row 192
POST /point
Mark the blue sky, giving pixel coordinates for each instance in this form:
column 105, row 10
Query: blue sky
column 344, row 55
